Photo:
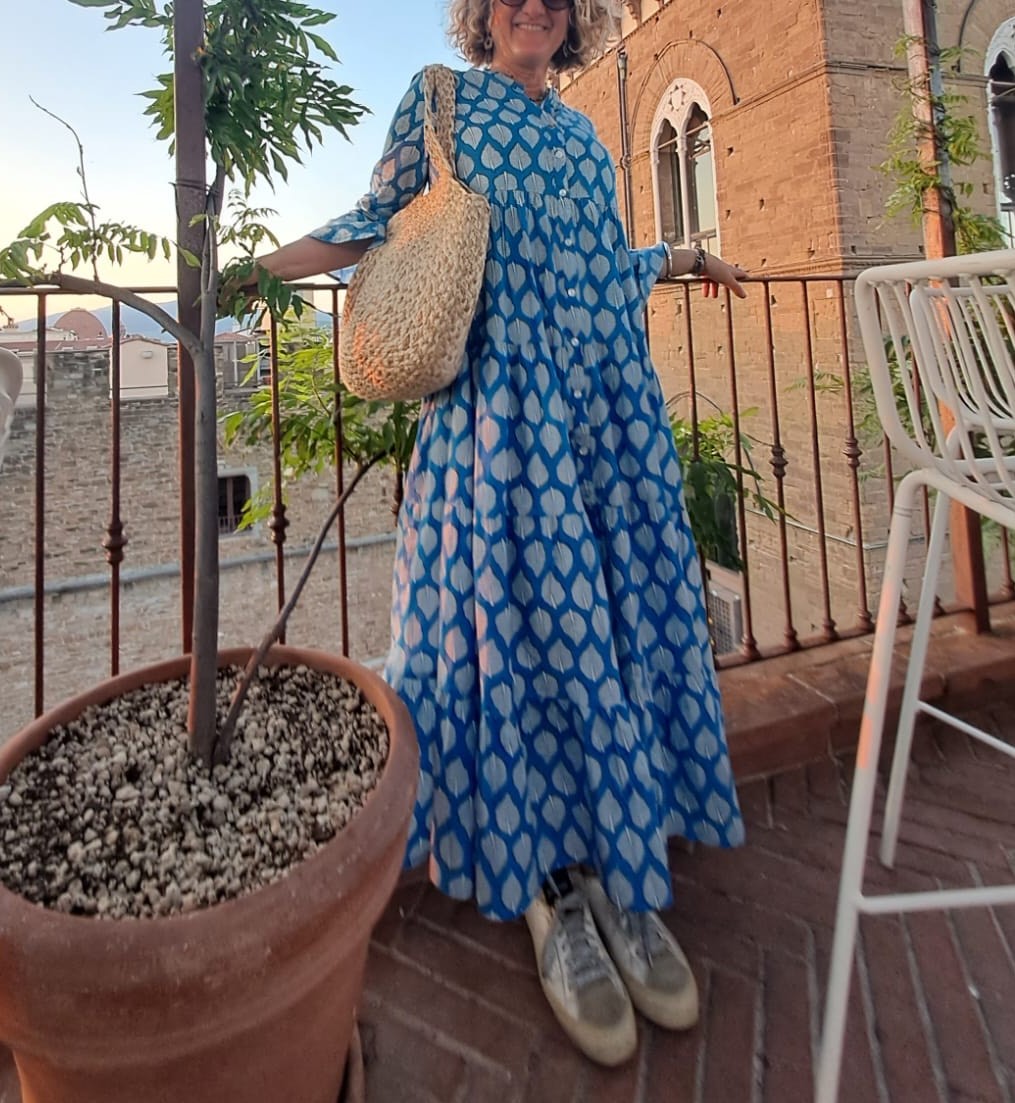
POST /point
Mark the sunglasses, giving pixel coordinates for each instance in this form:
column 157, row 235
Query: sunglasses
column 551, row 5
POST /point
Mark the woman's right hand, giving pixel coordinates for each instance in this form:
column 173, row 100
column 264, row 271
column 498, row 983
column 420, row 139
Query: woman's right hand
column 237, row 290
column 718, row 272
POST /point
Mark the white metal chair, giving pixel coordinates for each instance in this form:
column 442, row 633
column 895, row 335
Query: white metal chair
column 939, row 337
column 11, row 377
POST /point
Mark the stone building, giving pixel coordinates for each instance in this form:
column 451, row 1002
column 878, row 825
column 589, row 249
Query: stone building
column 76, row 518
column 756, row 129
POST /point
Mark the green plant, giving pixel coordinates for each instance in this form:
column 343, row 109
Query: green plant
column 715, row 481
column 957, row 137
column 311, row 404
column 262, row 99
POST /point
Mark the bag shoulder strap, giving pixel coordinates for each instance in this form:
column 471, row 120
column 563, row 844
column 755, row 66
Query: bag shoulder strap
column 439, row 112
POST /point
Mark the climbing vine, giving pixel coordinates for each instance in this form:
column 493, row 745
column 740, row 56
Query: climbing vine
column 957, row 134
column 267, row 100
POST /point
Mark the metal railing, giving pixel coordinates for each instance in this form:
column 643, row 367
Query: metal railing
column 783, row 366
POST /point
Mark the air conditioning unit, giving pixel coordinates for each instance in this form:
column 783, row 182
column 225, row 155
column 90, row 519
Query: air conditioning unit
column 725, row 603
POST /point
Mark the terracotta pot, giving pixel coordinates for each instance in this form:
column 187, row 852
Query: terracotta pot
column 250, row 1001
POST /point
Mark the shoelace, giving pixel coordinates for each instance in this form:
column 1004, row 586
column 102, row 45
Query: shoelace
column 642, row 927
column 579, row 942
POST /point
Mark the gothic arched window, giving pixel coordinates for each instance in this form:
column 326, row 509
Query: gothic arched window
column 684, row 168
column 1001, row 100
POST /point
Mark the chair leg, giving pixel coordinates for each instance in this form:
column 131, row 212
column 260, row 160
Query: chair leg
column 861, row 803
column 914, row 677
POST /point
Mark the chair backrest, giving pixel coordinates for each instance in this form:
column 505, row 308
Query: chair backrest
column 939, row 336
column 11, row 378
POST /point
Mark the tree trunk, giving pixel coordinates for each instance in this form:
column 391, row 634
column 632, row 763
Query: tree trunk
column 198, row 452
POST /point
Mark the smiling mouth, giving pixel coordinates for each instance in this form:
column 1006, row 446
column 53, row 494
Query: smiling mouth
column 530, row 27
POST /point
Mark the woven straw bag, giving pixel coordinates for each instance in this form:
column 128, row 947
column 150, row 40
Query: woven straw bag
column 410, row 303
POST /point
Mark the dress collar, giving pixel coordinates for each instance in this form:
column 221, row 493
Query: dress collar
column 550, row 98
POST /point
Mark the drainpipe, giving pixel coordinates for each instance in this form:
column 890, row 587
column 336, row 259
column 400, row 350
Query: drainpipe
column 625, row 161
column 920, row 28
column 625, row 143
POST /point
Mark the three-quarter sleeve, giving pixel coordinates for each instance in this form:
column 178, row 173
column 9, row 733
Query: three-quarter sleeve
column 647, row 264
column 400, row 174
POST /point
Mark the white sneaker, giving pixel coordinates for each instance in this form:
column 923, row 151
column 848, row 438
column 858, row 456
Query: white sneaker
column 579, row 979
column 649, row 959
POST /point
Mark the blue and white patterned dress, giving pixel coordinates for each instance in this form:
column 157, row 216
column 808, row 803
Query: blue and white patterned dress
column 549, row 633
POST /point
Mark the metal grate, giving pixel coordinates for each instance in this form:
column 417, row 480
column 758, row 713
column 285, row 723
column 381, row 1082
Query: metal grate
column 725, row 618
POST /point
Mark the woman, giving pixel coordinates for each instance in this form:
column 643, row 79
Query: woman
column 549, row 631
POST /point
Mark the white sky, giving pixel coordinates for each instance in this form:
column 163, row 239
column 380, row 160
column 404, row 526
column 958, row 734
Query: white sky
column 65, row 58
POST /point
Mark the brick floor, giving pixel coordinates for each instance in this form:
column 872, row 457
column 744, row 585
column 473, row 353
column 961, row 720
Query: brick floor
column 453, row 1013
column 453, row 1010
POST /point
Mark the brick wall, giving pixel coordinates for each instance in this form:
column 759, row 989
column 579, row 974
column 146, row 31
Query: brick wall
column 77, row 637
column 761, row 66
column 802, row 99
column 78, row 481
column 77, row 509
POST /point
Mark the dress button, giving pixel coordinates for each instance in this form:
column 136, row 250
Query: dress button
column 572, row 292
column 563, row 193
column 569, row 242
column 575, row 342
column 577, row 392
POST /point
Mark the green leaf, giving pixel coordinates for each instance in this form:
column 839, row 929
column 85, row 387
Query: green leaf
column 324, row 46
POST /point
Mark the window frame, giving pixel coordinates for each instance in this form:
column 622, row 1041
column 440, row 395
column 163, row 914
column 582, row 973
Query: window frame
column 228, row 473
column 676, row 107
column 1001, row 44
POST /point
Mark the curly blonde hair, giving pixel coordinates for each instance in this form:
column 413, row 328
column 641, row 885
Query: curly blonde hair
column 590, row 25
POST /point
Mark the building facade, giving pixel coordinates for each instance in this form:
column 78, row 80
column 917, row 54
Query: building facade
column 77, row 524
column 756, row 129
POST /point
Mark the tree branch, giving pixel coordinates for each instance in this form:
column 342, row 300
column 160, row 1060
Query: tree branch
column 81, row 173
column 127, row 298
column 216, row 193
column 225, row 736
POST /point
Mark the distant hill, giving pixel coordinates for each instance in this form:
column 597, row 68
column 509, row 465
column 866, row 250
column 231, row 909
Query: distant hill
column 136, row 323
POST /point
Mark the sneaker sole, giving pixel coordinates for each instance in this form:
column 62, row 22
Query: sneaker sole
column 608, row 1046
column 673, row 1012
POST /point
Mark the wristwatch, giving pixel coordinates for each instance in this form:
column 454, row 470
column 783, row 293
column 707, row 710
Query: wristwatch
column 700, row 259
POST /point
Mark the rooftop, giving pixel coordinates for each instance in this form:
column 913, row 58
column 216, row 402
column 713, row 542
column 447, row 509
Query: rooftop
column 453, row 1012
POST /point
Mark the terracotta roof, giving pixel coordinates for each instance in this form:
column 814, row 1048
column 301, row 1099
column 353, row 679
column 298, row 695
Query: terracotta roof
column 76, row 345
column 82, row 323
column 236, row 338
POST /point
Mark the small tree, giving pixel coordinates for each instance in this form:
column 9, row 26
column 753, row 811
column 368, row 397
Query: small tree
column 718, row 472
column 311, row 406
column 264, row 101
column 956, row 137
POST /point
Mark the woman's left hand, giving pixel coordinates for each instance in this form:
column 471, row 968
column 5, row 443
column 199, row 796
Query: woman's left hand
column 717, row 272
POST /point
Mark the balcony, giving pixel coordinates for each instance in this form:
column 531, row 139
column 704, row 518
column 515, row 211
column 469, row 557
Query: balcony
column 90, row 582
